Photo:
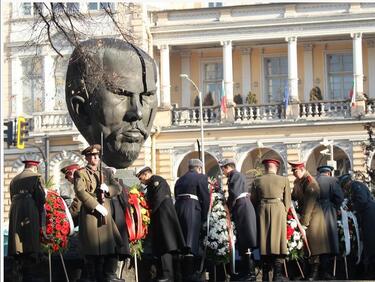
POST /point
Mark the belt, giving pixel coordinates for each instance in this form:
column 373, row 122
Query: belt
column 271, row 200
column 187, row 196
column 21, row 196
column 242, row 195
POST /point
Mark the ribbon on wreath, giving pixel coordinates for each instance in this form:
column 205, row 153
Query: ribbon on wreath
column 345, row 227
column 356, row 228
column 136, row 230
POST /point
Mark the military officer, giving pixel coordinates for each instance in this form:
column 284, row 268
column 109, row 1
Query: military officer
column 99, row 238
column 28, row 197
column 306, row 192
column 243, row 215
column 166, row 234
column 364, row 205
column 331, row 198
column 192, row 204
column 68, row 194
column 271, row 196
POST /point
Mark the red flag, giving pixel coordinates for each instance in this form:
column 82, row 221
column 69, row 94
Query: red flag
column 223, row 98
column 352, row 96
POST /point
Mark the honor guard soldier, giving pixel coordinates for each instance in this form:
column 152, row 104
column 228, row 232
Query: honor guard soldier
column 166, row 235
column 68, row 194
column 331, row 198
column 271, row 196
column 28, row 197
column 306, row 192
column 243, row 215
column 98, row 233
column 192, row 204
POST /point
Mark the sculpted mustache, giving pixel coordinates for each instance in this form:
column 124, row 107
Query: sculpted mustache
column 139, row 126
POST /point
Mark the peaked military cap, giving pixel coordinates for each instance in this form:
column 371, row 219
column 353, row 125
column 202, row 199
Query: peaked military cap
column 271, row 161
column 141, row 170
column 31, row 162
column 344, row 178
column 195, row 163
column 225, row 162
column 296, row 165
column 93, row 149
column 325, row 168
column 70, row 168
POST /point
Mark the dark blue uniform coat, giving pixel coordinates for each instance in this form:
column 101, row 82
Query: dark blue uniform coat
column 166, row 233
column 242, row 211
column 192, row 213
column 331, row 198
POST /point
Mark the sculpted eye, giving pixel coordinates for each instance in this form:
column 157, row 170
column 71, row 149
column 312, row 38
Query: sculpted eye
column 145, row 96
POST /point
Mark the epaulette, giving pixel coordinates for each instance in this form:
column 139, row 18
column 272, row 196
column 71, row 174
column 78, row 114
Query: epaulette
column 309, row 179
column 156, row 183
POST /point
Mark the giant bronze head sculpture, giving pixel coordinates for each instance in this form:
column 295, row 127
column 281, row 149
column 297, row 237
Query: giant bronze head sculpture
column 111, row 89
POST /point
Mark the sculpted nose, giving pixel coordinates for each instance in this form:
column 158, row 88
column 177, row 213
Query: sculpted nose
column 135, row 109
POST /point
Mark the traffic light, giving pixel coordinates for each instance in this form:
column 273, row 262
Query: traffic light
column 22, row 132
column 8, row 133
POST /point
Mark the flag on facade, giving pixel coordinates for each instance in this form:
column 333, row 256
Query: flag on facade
column 223, row 98
column 352, row 96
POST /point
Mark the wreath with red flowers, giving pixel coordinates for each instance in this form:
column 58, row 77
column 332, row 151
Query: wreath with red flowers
column 55, row 232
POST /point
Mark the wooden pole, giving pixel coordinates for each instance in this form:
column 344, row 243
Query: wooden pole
column 334, row 266
column 66, row 273
column 50, row 265
column 346, row 268
column 136, row 267
column 300, row 269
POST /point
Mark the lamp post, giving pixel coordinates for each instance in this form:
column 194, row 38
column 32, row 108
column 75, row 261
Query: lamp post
column 200, row 117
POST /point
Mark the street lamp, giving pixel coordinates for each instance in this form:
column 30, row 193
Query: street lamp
column 200, row 117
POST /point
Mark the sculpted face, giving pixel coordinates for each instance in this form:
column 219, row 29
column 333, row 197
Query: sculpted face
column 120, row 101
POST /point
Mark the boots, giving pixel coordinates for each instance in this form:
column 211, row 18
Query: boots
column 325, row 267
column 278, row 272
column 314, row 274
column 110, row 269
column 266, row 271
column 188, row 270
column 249, row 268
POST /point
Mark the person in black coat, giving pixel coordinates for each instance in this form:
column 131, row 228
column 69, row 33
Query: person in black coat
column 243, row 215
column 192, row 204
column 331, row 198
column 363, row 204
column 166, row 235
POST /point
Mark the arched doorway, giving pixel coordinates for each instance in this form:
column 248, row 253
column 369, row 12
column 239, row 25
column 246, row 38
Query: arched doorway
column 317, row 159
column 252, row 165
column 211, row 164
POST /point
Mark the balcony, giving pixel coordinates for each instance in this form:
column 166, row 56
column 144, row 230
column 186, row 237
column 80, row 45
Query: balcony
column 52, row 121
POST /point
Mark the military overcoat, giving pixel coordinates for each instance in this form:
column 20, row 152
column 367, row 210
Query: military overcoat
column 331, row 198
column 242, row 212
column 271, row 196
column 95, row 238
column 364, row 205
column 165, row 229
column 192, row 213
column 28, row 198
column 306, row 192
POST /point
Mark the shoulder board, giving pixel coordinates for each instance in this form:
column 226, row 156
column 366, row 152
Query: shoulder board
column 156, row 183
column 310, row 179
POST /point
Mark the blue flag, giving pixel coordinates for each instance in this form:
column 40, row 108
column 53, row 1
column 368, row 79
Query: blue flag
column 286, row 96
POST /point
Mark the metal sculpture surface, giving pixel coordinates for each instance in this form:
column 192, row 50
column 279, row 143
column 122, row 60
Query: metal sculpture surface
column 111, row 89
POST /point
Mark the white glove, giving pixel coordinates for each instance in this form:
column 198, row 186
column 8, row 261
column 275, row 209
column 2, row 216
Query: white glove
column 101, row 209
column 104, row 187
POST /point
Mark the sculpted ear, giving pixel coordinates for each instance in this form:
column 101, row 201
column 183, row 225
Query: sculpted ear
column 79, row 108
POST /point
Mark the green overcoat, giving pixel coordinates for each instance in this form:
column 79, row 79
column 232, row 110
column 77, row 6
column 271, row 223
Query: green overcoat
column 271, row 198
column 306, row 192
column 96, row 238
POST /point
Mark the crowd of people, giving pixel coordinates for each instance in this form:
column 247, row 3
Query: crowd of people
column 177, row 225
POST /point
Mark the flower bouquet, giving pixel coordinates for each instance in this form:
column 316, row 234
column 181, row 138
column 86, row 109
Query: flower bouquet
column 220, row 239
column 57, row 227
column 294, row 237
column 137, row 218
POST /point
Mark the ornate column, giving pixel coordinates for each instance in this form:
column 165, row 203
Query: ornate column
column 292, row 68
column 357, row 65
column 246, row 71
column 49, row 83
column 16, row 94
column 165, row 77
column 185, row 84
column 308, row 70
column 228, row 70
column 371, row 68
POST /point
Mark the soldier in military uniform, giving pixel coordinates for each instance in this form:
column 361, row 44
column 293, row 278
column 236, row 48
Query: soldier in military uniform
column 192, row 204
column 243, row 215
column 271, row 196
column 306, row 192
column 166, row 235
column 98, row 233
column 68, row 194
column 331, row 198
column 28, row 197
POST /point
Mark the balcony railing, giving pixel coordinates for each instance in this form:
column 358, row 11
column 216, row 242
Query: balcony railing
column 370, row 107
column 190, row 116
column 258, row 113
column 325, row 109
